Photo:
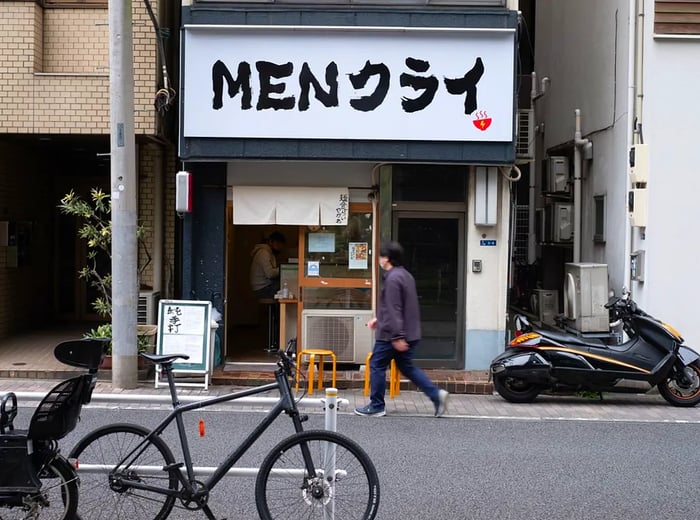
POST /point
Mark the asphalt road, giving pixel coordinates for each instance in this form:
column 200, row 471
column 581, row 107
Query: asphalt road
column 471, row 468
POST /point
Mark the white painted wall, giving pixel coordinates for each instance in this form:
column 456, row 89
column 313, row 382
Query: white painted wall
column 671, row 127
column 486, row 292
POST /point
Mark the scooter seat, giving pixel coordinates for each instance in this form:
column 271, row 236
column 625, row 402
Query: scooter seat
column 571, row 339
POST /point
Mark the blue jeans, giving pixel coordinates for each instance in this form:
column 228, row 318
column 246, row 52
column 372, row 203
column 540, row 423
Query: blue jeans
column 382, row 354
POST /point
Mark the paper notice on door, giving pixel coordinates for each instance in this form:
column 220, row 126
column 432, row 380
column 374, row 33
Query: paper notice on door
column 357, row 259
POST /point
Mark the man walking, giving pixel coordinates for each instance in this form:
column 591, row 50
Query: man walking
column 397, row 327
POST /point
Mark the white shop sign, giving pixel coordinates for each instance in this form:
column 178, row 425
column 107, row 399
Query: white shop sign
column 348, row 83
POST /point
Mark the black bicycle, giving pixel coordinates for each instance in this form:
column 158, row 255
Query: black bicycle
column 311, row 474
column 36, row 481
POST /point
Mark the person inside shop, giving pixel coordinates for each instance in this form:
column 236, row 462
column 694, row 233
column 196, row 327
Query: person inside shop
column 397, row 333
column 264, row 269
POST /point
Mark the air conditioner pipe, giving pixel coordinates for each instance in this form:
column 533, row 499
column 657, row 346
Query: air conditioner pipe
column 578, row 144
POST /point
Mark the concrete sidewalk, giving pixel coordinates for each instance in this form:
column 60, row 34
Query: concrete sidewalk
column 613, row 407
column 30, row 356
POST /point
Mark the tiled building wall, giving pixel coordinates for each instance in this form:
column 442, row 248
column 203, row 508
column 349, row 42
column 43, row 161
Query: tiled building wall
column 157, row 160
column 75, row 41
column 148, row 170
column 169, row 222
column 52, row 75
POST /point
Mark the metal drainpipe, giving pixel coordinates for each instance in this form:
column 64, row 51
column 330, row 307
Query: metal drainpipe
column 578, row 143
column 531, row 243
column 636, row 96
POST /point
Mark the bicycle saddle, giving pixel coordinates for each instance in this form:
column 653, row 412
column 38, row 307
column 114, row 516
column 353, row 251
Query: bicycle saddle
column 160, row 359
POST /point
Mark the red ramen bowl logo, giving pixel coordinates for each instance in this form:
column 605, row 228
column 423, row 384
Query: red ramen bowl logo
column 482, row 120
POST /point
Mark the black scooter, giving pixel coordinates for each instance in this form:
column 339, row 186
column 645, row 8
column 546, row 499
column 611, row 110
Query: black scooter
column 538, row 360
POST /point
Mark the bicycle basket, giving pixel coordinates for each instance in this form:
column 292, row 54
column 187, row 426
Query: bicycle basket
column 17, row 475
column 58, row 412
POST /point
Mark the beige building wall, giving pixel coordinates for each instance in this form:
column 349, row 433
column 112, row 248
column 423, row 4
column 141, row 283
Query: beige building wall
column 54, row 69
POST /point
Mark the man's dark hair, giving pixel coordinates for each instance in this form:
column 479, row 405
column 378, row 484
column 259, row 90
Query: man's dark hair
column 276, row 236
column 393, row 251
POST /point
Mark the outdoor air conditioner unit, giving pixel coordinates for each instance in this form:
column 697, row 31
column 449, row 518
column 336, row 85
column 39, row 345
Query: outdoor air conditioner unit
column 525, row 140
column 545, row 304
column 557, row 175
column 344, row 331
column 585, row 296
column 555, row 223
column 561, row 218
column 147, row 307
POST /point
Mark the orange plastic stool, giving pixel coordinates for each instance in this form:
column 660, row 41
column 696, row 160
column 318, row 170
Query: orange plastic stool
column 312, row 353
column 394, row 379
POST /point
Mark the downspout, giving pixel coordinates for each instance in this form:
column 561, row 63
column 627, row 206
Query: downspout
column 578, row 144
column 634, row 102
column 638, row 65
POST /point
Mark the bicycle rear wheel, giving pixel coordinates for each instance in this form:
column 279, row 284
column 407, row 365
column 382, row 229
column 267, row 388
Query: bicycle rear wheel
column 107, row 494
column 57, row 499
column 344, row 485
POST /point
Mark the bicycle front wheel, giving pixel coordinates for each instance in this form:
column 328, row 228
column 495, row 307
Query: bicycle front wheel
column 341, row 484
column 106, row 492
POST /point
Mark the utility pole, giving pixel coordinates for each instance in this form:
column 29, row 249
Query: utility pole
column 124, row 195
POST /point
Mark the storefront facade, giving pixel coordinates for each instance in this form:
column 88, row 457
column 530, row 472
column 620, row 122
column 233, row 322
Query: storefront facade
column 340, row 127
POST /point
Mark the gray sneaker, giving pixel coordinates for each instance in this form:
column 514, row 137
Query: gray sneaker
column 441, row 405
column 370, row 411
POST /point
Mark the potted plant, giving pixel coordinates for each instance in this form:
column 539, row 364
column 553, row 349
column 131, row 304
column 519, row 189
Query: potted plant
column 96, row 230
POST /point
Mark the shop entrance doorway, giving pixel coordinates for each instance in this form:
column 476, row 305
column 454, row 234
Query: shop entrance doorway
column 247, row 317
column 433, row 243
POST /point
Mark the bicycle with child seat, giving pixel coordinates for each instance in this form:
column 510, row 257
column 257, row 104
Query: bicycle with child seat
column 310, row 474
column 36, row 480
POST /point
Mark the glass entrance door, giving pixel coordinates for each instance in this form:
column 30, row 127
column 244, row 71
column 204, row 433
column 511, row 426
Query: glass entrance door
column 433, row 244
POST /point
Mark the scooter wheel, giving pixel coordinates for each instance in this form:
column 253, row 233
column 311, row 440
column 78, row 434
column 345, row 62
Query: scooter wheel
column 682, row 389
column 516, row 390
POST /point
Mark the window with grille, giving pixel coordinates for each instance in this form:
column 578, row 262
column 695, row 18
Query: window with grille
column 521, row 234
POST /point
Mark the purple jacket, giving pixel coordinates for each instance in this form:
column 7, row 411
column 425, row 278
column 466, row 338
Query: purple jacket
column 398, row 315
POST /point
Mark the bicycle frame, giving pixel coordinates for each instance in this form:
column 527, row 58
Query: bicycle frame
column 285, row 404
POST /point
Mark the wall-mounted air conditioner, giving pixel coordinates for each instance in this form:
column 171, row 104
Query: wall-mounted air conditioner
column 585, row 296
column 555, row 223
column 556, row 175
column 561, row 222
column 147, row 307
column 344, row 331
